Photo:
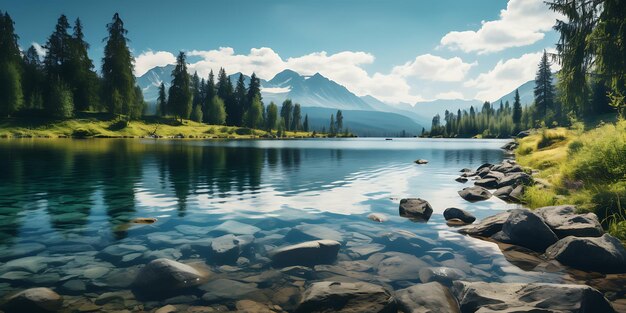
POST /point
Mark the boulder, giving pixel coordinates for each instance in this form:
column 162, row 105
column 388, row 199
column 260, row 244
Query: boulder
column 526, row 229
column 396, row 266
column 421, row 161
column 463, row 215
column 454, row 222
column 415, row 208
column 226, row 249
column 426, row 298
column 331, row 296
column 33, row 300
column 604, row 254
column 487, row 227
column 442, row 275
column 489, row 183
column 461, row 179
column 494, row 174
column 307, row 253
column 565, row 222
column 514, row 179
column 475, row 193
column 222, row 289
column 465, row 170
column 483, row 166
column 534, row 297
column 377, row 217
column 307, row 232
column 164, row 275
column 522, row 134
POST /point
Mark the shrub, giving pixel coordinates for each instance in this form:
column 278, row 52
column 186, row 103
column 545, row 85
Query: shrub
column 550, row 137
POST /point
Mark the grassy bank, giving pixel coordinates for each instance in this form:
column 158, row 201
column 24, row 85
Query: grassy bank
column 102, row 125
column 585, row 166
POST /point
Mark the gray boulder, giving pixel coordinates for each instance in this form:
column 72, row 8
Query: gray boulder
column 565, row 222
column 463, row 215
column 494, row 174
column 461, row 179
column 33, row 300
column 442, row 275
column 331, row 296
column 526, row 229
column 489, row 183
column 475, row 193
column 164, row 276
column 426, row 298
column 487, row 226
column 604, row 254
column 514, row 179
column 415, row 208
column 421, row 161
column 535, row 297
column 307, row 253
column 226, row 249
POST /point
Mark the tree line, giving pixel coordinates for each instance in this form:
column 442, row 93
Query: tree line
column 65, row 82
column 592, row 80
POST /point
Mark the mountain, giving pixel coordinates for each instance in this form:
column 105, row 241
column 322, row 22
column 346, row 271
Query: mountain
column 526, row 94
column 431, row 108
column 402, row 109
column 151, row 80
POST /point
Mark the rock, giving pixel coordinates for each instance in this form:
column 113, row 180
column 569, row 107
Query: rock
column 487, row 227
column 484, row 166
column 163, row 275
column 515, row 179
column 455, row 222
column 421, row 161
column 426, row 298
column 95, row 272
column 167, row 309
column 21, row 250
column 249, row 306
column 225, row 249
column 108, row 297
column 564, row 221
column 468, row 174
column 465, row 170
column 463, row 215
column 534, row 297
column 526, row 229
column 377, row 217
column 307, row 253
column 298, row 271
column 442, row 275
column 33, row 300
column 144, row 220
column 604, row 254
column 74, row 286
column 489, row 183
column 307, row 232
column 474, row 193
column 494, row 174
column 522, row 134
column 117, row 252
column 461, row 179
column 394, row 266
column 404, row 241
column 237, row 228
column 367, row 249
column 415, row 208
column 226, row 289
column 330, row 296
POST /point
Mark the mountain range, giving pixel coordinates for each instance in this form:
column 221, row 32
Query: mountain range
column 320, row 97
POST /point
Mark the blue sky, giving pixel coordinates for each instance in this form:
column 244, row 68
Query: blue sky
column 397, row 51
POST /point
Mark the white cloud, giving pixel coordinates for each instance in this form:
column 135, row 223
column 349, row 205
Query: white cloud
column 345, row 68
column 522, row 23
column 149, row 59
column 506, row 76
column 450, row 95
column 431, row 67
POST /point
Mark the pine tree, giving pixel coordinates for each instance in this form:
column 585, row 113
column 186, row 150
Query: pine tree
column 9, row 49
column 33, row 80
column 339, row 121
column 59, row 49
column 180, row 93
column 162, row 101
column 196, row 90
column 254, row 115
column 286, row 112
column 544, row 91
column 118, row 81
column 240, row 101
column 61, row 100
column 82, row 78
column 11, row 94
column 305, row 125
column 271, row 117
column 216, row 111
column 209, row 93
column 225, row 92
column 196, row 114
column 296, row 120
column 254, row 90
column 517, row 110
column 332, row 128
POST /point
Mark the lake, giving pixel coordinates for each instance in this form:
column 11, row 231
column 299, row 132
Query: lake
column 66, row 209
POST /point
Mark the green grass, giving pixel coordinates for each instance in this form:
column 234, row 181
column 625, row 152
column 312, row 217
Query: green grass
column 102, row 125
column 584, row 167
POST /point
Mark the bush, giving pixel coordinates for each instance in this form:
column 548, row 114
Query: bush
column 574, row 147
column 550, row 137
column 82, row 133
column 118, row 125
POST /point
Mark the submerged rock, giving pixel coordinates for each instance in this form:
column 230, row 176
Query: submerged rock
column 237, row 228
column 442, row 275
column 462, row 215
column 535, row 297
column 306, row 253
column 415, row 208
column 226, row 249
column 564, row 221
column 526, row 229
column 33, row 300
column 226, row 289
column 604, row 254
column 305, row 232
column 163, row 275
column 426, row 298
column 421, row 161
column 377, row 217
column 331, row 296
column 395, row 266
column 474, row 193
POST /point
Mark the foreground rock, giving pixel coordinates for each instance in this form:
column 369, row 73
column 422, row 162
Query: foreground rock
column 510, row 193
column 307, row 253
column 515, row 179
column 463, row 215
column 565, row 222
column 487, row 227
column 415, row 208
column 512, row 297
column 354, row 297
column 33, row 300
column 526, row 229
column 604, row 254
column 426, row 298
column 165, row 276
column 475, row 193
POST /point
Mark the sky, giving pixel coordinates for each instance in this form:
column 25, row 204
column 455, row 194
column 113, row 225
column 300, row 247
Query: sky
column 399, row 51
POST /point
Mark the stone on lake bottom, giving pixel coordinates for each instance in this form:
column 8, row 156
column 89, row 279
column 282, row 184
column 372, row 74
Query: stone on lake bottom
column 33, row 300
column 164, row 276
column 307, row 253
column 332, row 296
column 426, row 298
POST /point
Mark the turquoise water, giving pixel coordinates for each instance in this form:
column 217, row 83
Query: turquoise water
column 64, row 202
